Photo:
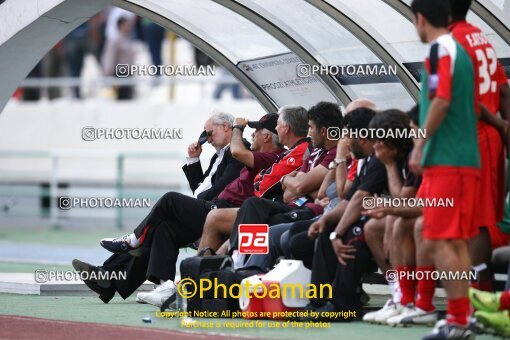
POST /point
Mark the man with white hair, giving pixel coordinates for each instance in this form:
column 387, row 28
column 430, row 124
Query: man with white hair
column 217, row 131
column 267, row 183
column 177, row 220
column 292, row 127
column 222, row 170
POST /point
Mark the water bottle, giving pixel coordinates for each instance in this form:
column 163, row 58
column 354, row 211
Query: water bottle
column 180, row 301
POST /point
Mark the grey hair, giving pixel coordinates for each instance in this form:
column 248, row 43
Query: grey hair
column 296, row 117
column 274, row 139
column 219, row 118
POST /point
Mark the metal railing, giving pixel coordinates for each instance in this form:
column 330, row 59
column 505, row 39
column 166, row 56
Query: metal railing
column 95, row 84
column 115, row 81
column 54, row 179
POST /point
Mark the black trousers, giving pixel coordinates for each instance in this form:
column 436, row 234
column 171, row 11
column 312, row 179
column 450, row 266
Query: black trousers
column 175, row 221
column 507, row 286
column 264, row 211
column 345, row 279
column 302, row 247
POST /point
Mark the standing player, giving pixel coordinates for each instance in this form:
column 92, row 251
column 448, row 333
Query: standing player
column 490, row 85
column 450, row 157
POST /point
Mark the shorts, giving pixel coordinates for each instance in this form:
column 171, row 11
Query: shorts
column 498, row 237
column 452, row 214
column 491, row 199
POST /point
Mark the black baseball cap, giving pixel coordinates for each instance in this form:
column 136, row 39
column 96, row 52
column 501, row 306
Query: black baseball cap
column 203, row 138
column 268, row 121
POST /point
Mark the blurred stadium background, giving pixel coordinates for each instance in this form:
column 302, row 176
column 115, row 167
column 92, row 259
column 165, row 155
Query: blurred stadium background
column 43, row 155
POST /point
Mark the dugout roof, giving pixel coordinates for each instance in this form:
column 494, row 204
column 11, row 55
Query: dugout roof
column 263, row 42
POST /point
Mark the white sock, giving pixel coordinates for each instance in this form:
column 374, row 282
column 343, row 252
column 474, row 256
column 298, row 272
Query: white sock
column 133, row 241
column 238, row 259
column 395, row 291
column 167, row 283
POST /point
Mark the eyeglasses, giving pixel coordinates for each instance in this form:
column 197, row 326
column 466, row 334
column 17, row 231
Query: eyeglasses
column 204, row 137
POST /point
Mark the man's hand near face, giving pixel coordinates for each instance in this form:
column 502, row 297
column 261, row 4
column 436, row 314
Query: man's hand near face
column 342, row 149
column 194, row 150
column 384, row 153
column 241, row 121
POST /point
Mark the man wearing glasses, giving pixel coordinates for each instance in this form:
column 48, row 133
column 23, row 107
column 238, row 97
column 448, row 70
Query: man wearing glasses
column 223, row 168
column 151, row 251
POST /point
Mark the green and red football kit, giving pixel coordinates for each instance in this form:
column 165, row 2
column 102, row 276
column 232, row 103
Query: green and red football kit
column 489, row 76
column 451, row 159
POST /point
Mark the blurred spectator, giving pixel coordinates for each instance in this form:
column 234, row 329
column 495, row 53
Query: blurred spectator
column 227, row 81
column 33, row 93
column 75, row 48
column 117, row 51
column 202, row 59
column 97, row 26
column 114, row 15
column 54, row 66
column 153, row 34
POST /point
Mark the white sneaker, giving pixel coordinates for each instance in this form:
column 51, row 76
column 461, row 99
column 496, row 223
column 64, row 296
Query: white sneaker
column 388, row 312
column 139, row 295
column 138, row 300
column 372, row 316
column 158, row 295
column 443, row 330
column 410, row 315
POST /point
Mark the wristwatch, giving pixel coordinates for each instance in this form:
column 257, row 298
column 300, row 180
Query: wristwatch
column 240, row 127
column 334, row 236
column 336, row 162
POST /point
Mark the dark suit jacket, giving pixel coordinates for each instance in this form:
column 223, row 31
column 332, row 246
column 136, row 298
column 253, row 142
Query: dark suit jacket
column 228, row 170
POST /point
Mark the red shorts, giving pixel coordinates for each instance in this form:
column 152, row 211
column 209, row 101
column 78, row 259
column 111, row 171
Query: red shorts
column 498, row 237
column 491, row 200
column 448, row 183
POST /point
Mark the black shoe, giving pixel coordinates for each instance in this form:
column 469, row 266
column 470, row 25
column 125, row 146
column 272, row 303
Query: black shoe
column 310, row 307
column 119, row 245
column 476, row 327
column 170, row 303
column 101, row 287
column 445, row 331
column 95, row 274
column 364, row 298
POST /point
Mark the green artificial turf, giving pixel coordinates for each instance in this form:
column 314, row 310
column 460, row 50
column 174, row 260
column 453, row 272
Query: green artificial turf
column 21, row 267
column 69, row 237
column 128, row 312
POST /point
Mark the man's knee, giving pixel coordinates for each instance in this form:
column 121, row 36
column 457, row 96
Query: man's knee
column 250, row 202
column 427, row 246
column 170, row 197
column 403, row 229
column 374, row 229
column 211, row 220
column 219, row 220
column 167, row 200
